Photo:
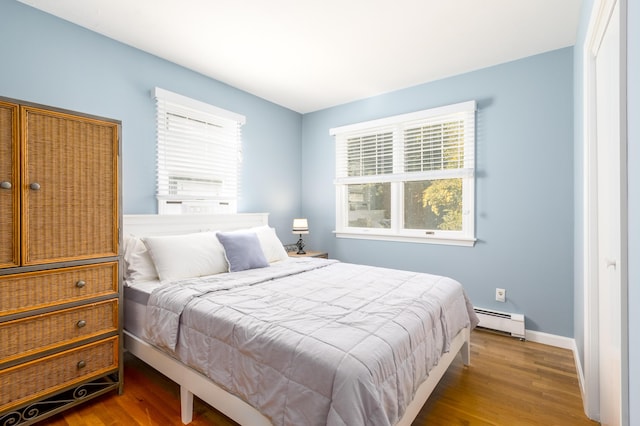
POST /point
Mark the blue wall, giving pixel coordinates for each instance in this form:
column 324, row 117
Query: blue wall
column 524, row 219
column 50, row 61
column 524, row 187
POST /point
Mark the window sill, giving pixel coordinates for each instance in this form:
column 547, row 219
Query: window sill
column 450, row 241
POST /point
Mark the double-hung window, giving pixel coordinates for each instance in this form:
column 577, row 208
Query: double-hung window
column 408, row 177
column 199, row 153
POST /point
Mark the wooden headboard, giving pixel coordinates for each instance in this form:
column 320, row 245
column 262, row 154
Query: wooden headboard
column 150, row 224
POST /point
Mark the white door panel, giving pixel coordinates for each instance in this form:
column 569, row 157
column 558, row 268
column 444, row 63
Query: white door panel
column 609, row 201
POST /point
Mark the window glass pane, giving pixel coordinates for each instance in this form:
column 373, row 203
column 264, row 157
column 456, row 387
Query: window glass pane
column 433, row 204
column 369, row 205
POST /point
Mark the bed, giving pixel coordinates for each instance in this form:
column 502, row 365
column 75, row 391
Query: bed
column 215, row 304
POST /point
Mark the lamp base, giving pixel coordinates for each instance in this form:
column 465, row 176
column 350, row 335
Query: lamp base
column 300, row 245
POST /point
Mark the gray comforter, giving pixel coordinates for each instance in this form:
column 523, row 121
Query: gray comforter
column 310, row 341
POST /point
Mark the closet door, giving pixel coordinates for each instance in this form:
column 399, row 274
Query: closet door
column 69, row 199
column 9, row 186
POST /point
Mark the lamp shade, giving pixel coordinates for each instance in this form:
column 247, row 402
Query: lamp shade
column 300, row 226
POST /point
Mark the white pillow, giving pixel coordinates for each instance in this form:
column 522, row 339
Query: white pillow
column 139, row 265
column 186, row 256
column 271, row 245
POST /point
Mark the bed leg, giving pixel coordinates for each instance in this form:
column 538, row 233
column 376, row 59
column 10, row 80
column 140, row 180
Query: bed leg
column 186, row 405
column 466, row 348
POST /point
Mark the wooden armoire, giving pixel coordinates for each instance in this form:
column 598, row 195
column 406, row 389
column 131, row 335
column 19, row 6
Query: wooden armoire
column 60, row 263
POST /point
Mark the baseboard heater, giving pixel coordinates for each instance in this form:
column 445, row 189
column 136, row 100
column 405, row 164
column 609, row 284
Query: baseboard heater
column 503, row 322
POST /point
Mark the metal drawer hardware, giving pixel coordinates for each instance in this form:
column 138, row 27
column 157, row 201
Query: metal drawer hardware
column 81, row 284
column 35, row 186
column 81, row 323
column 5, row 185
column 81, row 364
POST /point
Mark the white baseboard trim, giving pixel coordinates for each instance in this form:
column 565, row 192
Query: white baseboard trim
column 551, row 340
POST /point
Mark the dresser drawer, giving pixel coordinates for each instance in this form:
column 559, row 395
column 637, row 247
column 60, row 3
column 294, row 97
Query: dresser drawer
column 31, row 290
column 29, row 335
column 47, row 375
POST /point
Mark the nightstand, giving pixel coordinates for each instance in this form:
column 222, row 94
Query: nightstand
column 309, row 253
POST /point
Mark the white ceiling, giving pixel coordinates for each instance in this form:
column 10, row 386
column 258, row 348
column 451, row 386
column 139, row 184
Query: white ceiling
column 308, row 55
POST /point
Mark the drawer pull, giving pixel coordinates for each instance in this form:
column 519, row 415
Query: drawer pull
column 5, row 185
column 81, row 364
column 34, row 186
column 81, row 323
column 80, row 284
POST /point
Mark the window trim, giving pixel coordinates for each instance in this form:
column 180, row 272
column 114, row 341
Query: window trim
column 429, row 239
column 197, row 105
column 396, row 232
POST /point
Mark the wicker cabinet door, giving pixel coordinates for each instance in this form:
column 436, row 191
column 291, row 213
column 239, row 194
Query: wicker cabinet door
column 9, row 186
column 69, row 198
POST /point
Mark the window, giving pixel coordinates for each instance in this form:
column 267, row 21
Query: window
column 199, row 153
column 408, row 177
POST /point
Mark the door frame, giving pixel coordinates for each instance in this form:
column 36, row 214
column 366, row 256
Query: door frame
column 600, row 15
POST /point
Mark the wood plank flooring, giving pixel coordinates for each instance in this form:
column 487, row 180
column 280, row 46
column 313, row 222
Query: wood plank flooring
column 508, row 383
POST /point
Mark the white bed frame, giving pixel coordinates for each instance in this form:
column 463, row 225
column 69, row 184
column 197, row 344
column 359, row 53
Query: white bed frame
column 194, row 383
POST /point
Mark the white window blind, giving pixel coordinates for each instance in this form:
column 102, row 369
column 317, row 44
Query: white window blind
column 367, row 154
column 440, row 144
column 199, row 153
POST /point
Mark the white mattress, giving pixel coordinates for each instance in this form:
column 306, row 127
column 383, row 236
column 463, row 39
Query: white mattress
column 135, row 306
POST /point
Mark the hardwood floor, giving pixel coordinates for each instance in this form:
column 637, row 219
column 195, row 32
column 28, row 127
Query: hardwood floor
column 509, row 382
